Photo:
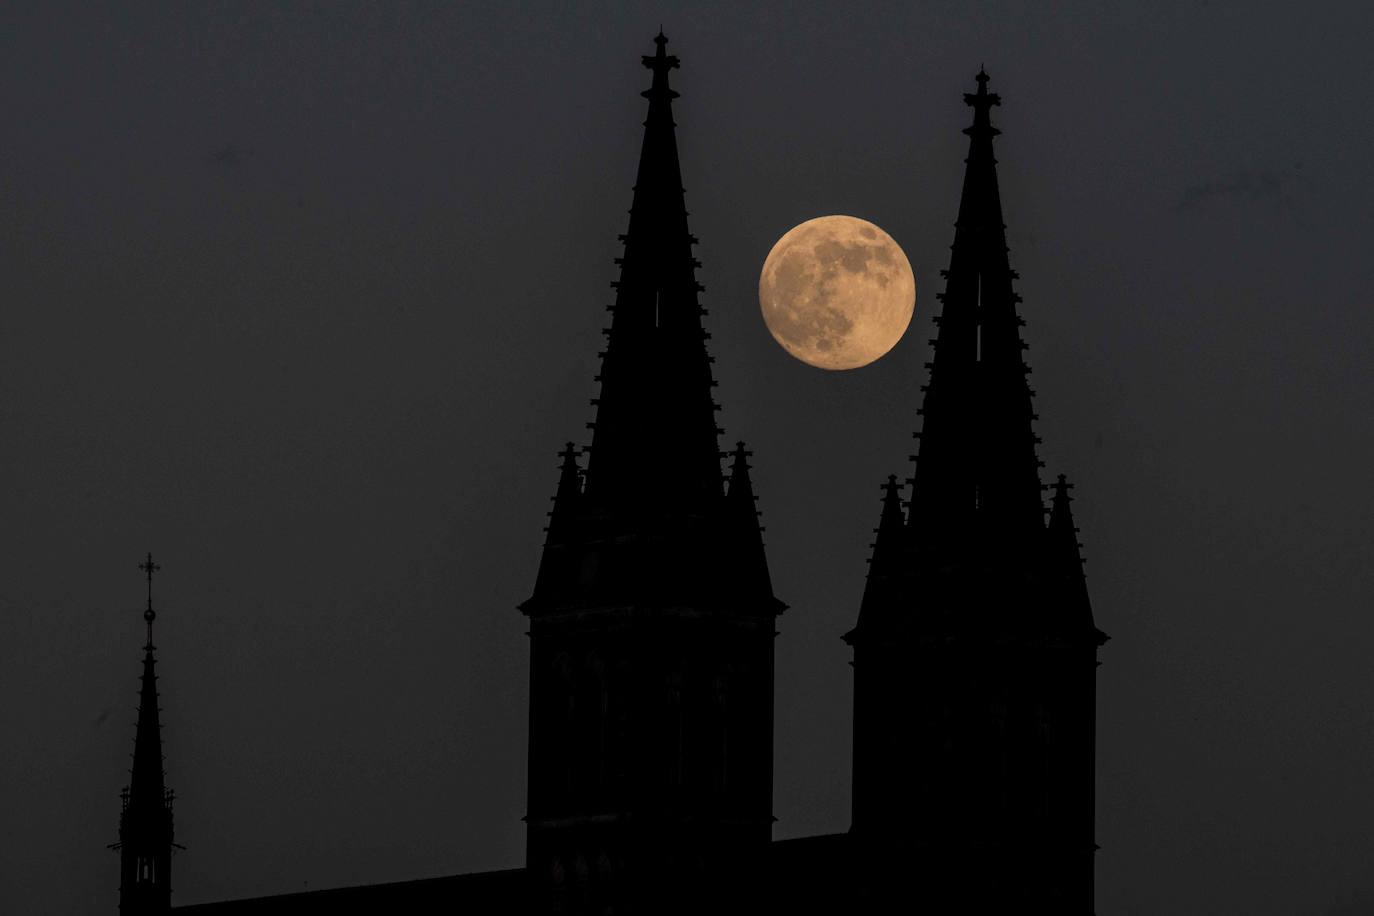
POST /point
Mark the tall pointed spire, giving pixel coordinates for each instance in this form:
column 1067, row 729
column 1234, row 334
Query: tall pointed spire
column 145, row 822
column 655, row 429
column 652, row 620
column 974, row 648
column 147, row 775
column 977, row 474
column 649, row 511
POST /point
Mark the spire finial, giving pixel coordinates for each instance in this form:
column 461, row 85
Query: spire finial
column 149, row 615
column 982, row 100
column 739, row 472
column 660, row 62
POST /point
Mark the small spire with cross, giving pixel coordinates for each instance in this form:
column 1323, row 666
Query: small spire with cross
column 149, row 615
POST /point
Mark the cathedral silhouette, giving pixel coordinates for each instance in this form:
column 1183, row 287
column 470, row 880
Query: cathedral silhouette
column 652, row 621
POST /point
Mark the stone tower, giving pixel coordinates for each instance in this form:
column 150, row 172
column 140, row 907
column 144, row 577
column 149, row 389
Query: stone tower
column 652, row 619
column 975, row 650
column 145, row 820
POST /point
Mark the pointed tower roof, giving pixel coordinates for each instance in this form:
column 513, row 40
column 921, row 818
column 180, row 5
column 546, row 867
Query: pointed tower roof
column 146, row 778
column 654, row 446
column 968, row 551
column 145, row 819
column 977, row 474
column 649, row 521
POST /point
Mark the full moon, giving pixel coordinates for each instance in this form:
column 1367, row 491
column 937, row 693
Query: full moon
column 837, row 292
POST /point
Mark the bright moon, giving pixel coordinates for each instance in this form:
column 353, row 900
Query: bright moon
column 837, row 292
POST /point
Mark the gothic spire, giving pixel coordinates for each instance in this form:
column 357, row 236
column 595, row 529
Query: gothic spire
column 145, row 821
column 655, row 429
column 975, row 615
column 648, row 520
column 977, row 474
column 146, row 778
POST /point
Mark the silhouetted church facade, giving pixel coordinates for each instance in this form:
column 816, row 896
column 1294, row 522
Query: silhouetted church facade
column 652, row 621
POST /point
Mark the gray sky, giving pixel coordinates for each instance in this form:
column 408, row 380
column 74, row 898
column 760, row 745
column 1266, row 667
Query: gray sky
column 305, row 299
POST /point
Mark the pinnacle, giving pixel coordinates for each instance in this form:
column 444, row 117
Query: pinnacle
column 740, row 485
column 655, row 492
column 892, row 515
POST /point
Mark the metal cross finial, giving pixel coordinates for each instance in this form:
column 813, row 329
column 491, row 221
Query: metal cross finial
column 149, row 567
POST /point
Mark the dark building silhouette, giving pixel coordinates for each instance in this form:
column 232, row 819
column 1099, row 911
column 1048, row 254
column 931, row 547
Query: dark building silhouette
column 975, row 651
column 145, row 817
column 652, row 620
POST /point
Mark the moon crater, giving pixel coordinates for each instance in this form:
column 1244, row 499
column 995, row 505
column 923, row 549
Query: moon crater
column 837, row 292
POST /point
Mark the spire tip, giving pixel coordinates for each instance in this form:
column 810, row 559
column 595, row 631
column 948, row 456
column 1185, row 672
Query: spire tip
column 149, row 615
column 981, row 101
column 660, row 61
